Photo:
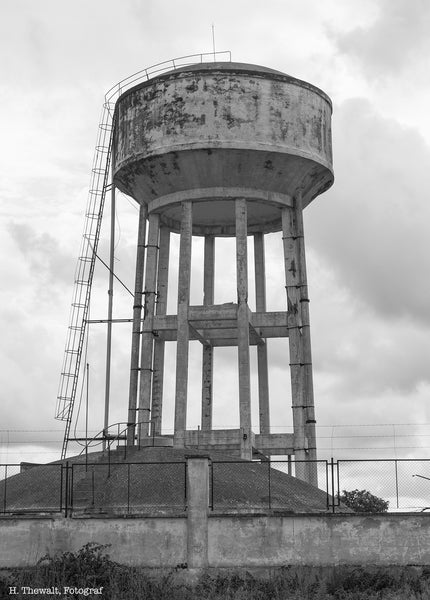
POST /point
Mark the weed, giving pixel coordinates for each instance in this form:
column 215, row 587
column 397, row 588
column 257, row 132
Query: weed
column 91, row 566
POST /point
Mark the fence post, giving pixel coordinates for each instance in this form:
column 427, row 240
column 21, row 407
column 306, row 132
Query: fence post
column 128, row 488
column 270, row 494
column 197, row 513
column 397, row 484
column 66, row 491
column 92, row 488
column 332, row 484
column 5, row 487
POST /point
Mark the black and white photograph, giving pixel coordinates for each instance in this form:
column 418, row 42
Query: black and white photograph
column 215, row 299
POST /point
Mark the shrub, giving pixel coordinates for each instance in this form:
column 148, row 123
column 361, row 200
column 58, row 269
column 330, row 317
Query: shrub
column 363, row 501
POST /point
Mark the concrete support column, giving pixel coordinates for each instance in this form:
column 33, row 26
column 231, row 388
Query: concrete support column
column 198, row 506
column 136, row 331
column 243, row 328
column 183, row 336
column 299, row 342
column 161, row 309
column 144, row 412
column 207, row 359
column 260, row 301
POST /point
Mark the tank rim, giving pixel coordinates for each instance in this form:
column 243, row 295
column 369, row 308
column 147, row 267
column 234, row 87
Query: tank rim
column 233, row 67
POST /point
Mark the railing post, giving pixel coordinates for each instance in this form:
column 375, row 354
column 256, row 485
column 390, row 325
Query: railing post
column 270, row 496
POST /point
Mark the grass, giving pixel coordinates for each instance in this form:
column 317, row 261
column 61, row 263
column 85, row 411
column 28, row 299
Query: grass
column 91, row 567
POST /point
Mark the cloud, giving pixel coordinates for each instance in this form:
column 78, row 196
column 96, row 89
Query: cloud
column 372, row 227
column 397, row 38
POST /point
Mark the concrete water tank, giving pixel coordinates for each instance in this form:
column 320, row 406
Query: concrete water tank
column 212, row 132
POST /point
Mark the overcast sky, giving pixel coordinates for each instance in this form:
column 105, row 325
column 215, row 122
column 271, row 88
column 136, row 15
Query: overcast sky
column 367, row 238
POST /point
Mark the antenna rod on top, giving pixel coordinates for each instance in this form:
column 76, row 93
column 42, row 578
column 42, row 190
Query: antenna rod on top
column 213, row 39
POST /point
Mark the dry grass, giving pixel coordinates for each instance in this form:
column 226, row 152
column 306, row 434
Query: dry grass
column 91, row 567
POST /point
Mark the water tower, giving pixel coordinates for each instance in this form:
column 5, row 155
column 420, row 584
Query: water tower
column 222, row 150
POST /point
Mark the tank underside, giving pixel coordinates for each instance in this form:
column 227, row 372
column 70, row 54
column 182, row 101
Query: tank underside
column 214, row 177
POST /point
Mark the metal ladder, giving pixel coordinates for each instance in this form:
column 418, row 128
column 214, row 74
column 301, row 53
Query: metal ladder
column 84, row 272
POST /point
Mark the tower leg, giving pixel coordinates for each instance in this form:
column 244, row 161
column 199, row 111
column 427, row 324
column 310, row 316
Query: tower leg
column 243, row 328
column 144, row 412
column 299, row 343
column 136, row 332
column 183, row 335
column 161, row 309
column 207, row 359
column 260, row 301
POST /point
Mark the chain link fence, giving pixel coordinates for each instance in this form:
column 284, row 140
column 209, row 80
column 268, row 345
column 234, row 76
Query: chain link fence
column 403, row 483
column 264, row 484
column 31, row 488
column 128, row 488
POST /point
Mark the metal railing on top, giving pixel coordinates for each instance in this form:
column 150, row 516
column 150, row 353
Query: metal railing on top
column 167, row 65
column 84, row 273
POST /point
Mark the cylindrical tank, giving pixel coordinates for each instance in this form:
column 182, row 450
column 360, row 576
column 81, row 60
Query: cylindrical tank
column 213, row 132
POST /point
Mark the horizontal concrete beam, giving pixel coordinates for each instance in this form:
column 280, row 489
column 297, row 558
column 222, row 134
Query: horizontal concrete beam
column 275, row 443
column 216, row 325
column 215, row 437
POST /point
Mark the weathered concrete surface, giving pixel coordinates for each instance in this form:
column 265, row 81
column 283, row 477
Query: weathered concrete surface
column 219, row 126
column 273, row 541
column 197, row 523
column 150, row 542
column 243, row 541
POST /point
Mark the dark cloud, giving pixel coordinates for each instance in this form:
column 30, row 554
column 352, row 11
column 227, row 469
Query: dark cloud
column 48, row 263
column 372, row 227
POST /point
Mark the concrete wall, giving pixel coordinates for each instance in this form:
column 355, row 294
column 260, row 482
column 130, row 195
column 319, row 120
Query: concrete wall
column 273, row 541
column 203, row 538
column 233, row 541
column 151, row 542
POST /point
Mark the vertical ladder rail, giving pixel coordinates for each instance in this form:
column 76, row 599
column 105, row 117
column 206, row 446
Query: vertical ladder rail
column 84, row 273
